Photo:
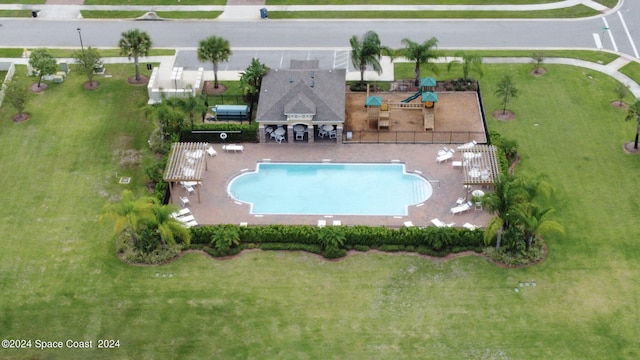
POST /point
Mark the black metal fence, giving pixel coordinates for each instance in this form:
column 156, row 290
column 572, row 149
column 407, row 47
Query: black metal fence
column 412, row 137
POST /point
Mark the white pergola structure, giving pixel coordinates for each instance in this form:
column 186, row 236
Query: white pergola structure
column 185, row 164
column 480, row 165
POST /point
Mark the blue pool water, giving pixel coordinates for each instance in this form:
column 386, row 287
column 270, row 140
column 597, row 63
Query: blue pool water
column 330, row 189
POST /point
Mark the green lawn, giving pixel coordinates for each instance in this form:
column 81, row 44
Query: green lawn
column 61, row 279
column 570, row 12
column 408, row 2
column 632, row 70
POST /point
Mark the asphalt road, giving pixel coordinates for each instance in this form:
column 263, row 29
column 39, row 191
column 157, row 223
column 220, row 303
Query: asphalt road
column 274, row 42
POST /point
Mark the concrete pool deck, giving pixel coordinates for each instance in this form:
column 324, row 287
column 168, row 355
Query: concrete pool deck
column 217, row 207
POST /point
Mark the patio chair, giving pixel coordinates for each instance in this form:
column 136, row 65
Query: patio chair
column 211, row 151
column 445, row 157
column 244, row 224
column 280, row 139
column 186, row 218
column 337, row 222
column 443, row 151
column 461, row 208
column 181, row 212
column 408, row 224
column 190, row 190
column 438, row 223
column 468, row 145
column 333, row 134
column 456, row 164
column 300, row 135
column 470, row 226
column 322, row 223
column 185, row 201
column 190, row 224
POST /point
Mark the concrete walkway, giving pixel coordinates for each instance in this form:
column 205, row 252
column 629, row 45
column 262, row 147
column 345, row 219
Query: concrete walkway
column 252, row 12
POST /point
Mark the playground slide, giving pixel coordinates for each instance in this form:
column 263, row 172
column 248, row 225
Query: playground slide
column 411, row 97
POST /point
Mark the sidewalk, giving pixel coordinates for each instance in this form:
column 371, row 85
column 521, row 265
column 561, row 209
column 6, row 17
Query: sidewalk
column 252, row 12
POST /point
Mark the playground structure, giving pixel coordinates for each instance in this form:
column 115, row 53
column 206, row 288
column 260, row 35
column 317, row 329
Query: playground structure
column 379, row 111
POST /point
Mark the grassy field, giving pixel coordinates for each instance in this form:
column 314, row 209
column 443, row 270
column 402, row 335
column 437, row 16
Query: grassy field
column 632, row 70
column 100, row 14
column 62, row 280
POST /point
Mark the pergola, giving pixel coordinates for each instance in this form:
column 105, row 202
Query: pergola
column 185, row 164
column 479, row 165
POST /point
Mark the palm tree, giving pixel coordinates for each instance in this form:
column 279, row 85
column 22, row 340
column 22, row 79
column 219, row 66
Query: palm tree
column 506, row 91
column 534, row 223
column 422, row 54
column 508, row 194
column 167, row 227
column 135, row 43
column 214, row 49
column 127, row 213
column 634, row 112
column 251, row 81
column 469, row 62
column 367, row 52
column 224, row 237
column 191, row 105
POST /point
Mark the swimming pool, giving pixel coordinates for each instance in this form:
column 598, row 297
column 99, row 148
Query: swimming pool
column 330, row 189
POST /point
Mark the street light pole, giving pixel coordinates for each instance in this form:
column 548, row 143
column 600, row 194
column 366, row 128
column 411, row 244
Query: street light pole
column 80, row 35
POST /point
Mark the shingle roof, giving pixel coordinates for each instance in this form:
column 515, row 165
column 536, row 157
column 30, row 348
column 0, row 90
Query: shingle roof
column 282, row 88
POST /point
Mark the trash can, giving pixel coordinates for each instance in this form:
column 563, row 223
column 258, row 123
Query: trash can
column 34, row 13
column 263, row 13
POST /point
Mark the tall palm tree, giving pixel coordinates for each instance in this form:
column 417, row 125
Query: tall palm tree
column 367, row 52
column 127, row 213
column 135, row 43
column 504, row 201
column 633, row 112
column 214, row 49
column 469, row 62
column 422, row 54
column 251, row 81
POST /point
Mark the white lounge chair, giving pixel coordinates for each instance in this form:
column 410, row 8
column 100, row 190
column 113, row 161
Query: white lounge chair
column 437, row 222
column 186, row 218
column 211, row 151
column 233, row 147
column 445, row 157
column 443, row 151
column 322, row 223
column 190, row 224
column 470, row 226
column 408, row 224
column 460, row 201
column 181, row 212
column 468, row 145
column 456, row 164
column 244, row 224
column 461, row 208
column 337, row 222
column 185, row 201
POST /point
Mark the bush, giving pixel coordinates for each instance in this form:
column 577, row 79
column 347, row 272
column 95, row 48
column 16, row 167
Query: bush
column 334, row 253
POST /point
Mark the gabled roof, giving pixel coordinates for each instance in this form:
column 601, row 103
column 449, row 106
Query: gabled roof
column 429, row 81
column 429, row 96
column 282, row 87
column 300, row 104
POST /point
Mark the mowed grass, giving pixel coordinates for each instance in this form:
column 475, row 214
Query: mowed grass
column 62, row 280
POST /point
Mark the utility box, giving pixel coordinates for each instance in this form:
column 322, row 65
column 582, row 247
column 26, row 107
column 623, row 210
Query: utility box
column 263, row 13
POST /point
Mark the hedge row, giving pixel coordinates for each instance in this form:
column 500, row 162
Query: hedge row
column 429, row 240
column 247, row 133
